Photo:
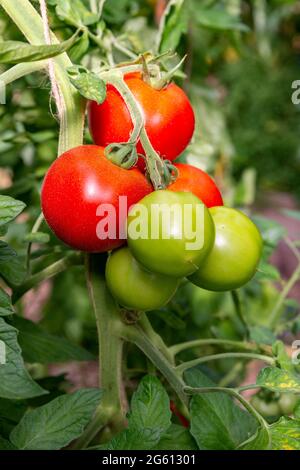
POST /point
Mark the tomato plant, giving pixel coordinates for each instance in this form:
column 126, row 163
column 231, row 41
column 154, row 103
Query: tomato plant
column 169, row 117
column 177, row 232
column 111, row 234
column 78, row 183
column 236, row 253
column 134, row 286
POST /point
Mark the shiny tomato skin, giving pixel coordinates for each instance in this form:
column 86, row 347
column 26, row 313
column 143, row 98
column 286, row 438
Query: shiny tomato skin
column 74, row 187
column 170, row 242
column 236, row 253
column 196, row 181
column 169, row 117
column 133, row 286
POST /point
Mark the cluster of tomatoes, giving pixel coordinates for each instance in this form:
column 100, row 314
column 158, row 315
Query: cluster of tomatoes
column 83, row 186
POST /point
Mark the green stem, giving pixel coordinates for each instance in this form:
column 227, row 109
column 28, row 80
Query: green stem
column 178, row 348
column 201, row 360
column 27, row 19
column 20, row 70
column 116, row 79
column 239, row 311
column 276, row 312
column 136, row 335
column 35, row 229
column 156, row 339
column 109, row 326
column 54, row 269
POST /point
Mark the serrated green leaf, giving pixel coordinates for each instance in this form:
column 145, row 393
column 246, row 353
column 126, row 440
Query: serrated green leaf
column 89, row 85
column 38, row 346
column 262, row 335
column 57, row 423
column 172, row 25
column 149, row 419
column 14, row 52
column 176, row 438
column 15, row 381
column 285, row 434
column 6, row 307
column 217, row 423
column 37, row 237
column 261, row 440
column 278, row 380
column 12, row 268
column 9, row 209
column 150, row 406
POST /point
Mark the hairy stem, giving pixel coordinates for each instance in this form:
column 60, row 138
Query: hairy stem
column 109, row 324
column 54, row 269
column 137, row 335
column 201, row 360
column 276, row 312
column 178, row 348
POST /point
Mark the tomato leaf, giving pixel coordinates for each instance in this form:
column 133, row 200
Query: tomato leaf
column 57, row 423
column 278, row 380
column 15, row 381
column 149, row 419
column 6, row 307
column 14, row 52
column 285, row 434
column 38, row 346
column 89, row 85
column 9, row 209
column 217, row 423
column 176, row 438
column 261, row 440
column 12, row 268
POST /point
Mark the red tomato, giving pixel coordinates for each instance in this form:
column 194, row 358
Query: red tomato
column 74, row 187
column 196, row 181
column 169, row 117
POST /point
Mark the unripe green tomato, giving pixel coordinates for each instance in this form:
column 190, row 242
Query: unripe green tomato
column 176, row 232
column 133, row 286
column 236, row 253
column 287, row 403
column 266, row 409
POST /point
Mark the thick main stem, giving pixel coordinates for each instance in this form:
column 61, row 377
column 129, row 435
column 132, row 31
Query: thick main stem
column 110, row 410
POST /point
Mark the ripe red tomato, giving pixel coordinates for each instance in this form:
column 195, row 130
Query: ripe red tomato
column 169, row 117
column 75, row 186
column 196, row 181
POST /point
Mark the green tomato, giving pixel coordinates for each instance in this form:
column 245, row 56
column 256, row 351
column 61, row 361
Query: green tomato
column 287, row 403
column 133, row 286
column 236, row 253
column 170, row 232
column 266, row 409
